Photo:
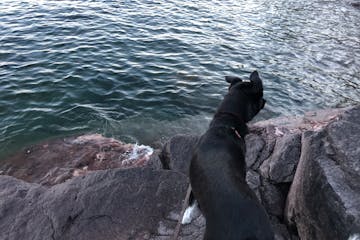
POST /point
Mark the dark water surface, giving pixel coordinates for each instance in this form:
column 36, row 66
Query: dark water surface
column 141, row 70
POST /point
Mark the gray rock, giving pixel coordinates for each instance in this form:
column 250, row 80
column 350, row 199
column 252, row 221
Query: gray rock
column 268, row 137
column 280, row 230
column 112, row 204
column 253, row 179
column 177, row 153
column 323, row 202
column 154, row 161
column 254, row 147
column 195, row 230
column 272, row 198
column 254, row 182
column 314, row 120
column 281, row 166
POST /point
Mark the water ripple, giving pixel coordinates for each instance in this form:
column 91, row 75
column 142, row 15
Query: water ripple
column 133, row 68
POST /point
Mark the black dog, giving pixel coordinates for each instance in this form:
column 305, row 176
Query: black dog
column 218, row 169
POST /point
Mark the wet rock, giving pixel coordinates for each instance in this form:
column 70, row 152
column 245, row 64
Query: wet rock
column 323, row 202
column 58, row 160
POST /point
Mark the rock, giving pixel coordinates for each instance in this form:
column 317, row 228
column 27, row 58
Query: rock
column 260, row 143
column 58, row 160
column 91, row 187
column 154, row 161
column 314, row 120
column 280, row 230
column 254, row 147
column 254, row 181
column 177, row 153
column 281, row 166
column 323, row 202
column 272, row 198
column 112, row 204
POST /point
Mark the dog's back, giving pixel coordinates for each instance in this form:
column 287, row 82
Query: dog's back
column 218, row 172
column 231, row 209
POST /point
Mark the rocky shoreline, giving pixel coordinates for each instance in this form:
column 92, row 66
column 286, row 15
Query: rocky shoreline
column 305, row 170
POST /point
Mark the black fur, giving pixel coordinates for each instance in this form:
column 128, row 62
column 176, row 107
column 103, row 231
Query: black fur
column 218, row 168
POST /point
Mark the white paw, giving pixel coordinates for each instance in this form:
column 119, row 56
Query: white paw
column 354, row 236
column 190, row 213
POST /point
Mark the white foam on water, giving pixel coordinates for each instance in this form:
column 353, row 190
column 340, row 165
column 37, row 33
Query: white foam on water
column 140, row 150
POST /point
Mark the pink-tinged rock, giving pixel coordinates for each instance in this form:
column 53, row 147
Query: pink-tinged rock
column 57, row 160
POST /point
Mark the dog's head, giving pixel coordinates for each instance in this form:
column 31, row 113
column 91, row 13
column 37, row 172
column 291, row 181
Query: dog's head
column 246, row 95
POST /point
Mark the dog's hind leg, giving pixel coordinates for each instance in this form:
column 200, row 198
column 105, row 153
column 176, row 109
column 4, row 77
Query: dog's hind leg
column 191, row 213
column 352, row 237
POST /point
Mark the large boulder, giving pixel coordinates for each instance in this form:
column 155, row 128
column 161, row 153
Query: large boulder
column 281, row 165
column 324, row 199
column 137, row 203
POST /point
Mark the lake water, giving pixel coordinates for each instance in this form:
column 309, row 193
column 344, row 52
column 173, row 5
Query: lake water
column 142, row 70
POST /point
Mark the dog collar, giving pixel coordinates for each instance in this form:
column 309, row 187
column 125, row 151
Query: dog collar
column 236, row 132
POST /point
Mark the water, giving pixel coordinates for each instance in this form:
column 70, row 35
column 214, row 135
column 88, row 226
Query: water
column 142, row 70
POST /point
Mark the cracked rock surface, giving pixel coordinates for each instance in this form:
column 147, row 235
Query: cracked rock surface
column 324, row 199
column 305, row 170
column 113, row 204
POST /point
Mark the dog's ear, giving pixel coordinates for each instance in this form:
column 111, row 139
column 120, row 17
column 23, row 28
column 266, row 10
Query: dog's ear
column 232, row 79
column 255, row 79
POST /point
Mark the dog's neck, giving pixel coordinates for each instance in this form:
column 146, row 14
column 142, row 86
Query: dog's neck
column 231, row 120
